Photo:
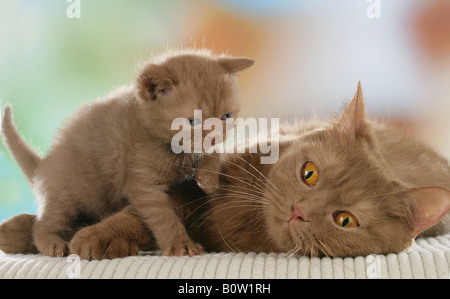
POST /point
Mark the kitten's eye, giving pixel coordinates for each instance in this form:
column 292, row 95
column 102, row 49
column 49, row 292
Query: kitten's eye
column 194, row 121
column 166, row 91
column 226, row 116
column 345, row 219
column 309, row 173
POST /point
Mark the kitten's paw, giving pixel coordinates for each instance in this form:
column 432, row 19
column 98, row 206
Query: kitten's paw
column 208, row 182
column 56, row 249
column 91, row 243
column 209, row 189
column 182, row 249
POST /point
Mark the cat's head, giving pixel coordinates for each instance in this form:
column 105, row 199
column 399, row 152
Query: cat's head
column 178, row 83
column 331, row 193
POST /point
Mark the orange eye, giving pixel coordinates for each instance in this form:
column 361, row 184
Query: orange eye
column 345, row 219
column 309, row 173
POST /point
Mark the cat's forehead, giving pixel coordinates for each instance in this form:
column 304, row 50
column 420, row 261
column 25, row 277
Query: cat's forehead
column 341, row 161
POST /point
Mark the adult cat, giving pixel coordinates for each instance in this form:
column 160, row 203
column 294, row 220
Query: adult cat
column 344, row 187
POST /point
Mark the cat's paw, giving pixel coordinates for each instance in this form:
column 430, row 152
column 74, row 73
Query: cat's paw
column 92, row 243
column 182, row 249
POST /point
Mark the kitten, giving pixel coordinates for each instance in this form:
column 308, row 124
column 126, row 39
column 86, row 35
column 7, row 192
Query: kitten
column 345, row 187
column 117, row 150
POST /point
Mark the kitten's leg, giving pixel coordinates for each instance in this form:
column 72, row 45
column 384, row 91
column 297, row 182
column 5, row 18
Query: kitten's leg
column 47, row 232
column 207, row 175
column 156, row 209
column 119, row 235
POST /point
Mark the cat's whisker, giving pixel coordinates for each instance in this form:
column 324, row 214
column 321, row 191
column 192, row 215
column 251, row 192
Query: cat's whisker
column 259, row 199
column 261, row 174
column 256, row 187
column 235, row 249
column 264, row 184
column 225, row 206
column 262, row 187
column 244, row 196
column 325, row 249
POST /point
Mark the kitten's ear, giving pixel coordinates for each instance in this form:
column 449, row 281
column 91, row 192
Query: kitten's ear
column 353, row 118
column 235, row 64
column 425, row 207
column 153, row 81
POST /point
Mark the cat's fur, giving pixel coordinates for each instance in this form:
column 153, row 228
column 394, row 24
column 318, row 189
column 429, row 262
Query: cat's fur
column 117, row 151
column 396, row 186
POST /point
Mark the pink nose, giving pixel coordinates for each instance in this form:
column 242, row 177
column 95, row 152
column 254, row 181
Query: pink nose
column 296, row 213
column 214, row 136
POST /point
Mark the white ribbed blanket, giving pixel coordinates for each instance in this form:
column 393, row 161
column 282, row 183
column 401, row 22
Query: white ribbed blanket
column 428, row 258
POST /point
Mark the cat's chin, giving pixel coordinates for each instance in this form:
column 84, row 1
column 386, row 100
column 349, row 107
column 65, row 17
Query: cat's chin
column 282, row 233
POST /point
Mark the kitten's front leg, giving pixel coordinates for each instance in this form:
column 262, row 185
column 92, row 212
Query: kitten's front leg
column 155, row 208
column 119, row 235
column 207, row 175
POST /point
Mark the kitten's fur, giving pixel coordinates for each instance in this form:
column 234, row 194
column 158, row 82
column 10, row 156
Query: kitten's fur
column 395, row 186
column 117, row 150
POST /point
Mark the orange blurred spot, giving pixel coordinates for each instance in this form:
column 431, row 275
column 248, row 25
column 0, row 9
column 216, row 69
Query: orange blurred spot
column 432, row 27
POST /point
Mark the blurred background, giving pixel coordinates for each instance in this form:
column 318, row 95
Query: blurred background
column 58, row 54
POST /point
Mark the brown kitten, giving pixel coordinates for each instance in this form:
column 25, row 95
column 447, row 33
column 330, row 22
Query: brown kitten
column 117, row 150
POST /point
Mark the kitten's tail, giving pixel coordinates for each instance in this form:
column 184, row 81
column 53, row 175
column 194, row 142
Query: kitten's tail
column 24, row 155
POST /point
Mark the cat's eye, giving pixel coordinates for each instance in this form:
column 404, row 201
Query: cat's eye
column 194, row 121
column 309, row 173
column 345, row 219
column 226, row 116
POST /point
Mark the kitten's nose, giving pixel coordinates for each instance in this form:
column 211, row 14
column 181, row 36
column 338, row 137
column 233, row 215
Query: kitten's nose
column 214, row 136
column 296, row 213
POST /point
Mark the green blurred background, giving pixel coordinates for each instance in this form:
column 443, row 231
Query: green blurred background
column 309, row 56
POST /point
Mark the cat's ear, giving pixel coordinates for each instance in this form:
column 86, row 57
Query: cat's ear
column 233, row 65
column 425, row 207
column 353, row 118
column 154, row 81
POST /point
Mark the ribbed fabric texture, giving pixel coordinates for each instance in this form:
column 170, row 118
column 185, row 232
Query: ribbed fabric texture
column 428, row 258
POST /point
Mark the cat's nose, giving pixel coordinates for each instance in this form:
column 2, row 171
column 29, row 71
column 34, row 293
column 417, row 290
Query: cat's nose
column 296, row 213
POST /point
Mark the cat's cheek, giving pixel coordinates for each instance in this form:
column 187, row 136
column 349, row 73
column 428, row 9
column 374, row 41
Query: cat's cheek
column 278, row 231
